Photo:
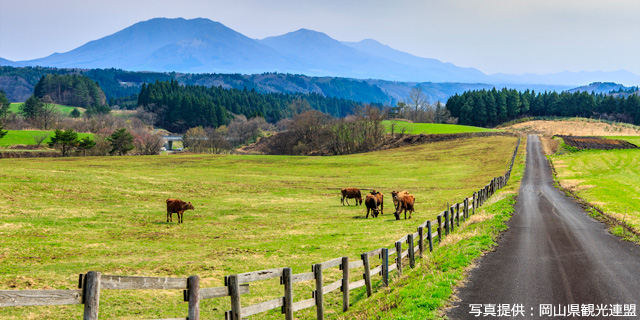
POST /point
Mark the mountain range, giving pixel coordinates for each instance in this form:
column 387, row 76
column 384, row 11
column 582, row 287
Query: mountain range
column 204, row 46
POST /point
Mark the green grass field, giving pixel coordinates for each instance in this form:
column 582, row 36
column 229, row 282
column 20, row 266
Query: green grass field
column 430, row 128
column 14, row 137
column 426, row 291
column 66, row 110
column 609, row 180
column 69, row 216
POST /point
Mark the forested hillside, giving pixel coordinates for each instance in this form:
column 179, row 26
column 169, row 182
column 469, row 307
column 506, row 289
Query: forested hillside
column 122, row 87
column 178, row 108
column 487, row 108
column 70, row 90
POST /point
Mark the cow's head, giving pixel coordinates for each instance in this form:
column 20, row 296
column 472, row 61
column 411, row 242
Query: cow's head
column 189, row 206
column 394, row 195
column 397, row 215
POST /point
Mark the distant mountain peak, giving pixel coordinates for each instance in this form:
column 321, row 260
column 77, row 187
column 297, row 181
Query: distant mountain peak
column 201, row 45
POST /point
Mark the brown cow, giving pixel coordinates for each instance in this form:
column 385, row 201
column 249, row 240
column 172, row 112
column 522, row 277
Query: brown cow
column 405, row 202
column 399, row 194
column 380, row 198
column 351, row 193
column 178, row 206
column 371, row 202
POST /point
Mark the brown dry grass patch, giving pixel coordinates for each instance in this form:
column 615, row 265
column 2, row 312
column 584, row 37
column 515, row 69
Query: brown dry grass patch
column 574, row 127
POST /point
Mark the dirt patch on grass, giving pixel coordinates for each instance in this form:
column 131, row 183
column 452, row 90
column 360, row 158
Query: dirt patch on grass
column 596, row 143
column 549, row 146
column 574, row 185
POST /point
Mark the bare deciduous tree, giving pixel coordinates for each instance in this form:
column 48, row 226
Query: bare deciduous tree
column 39, row 138
column 147, row 143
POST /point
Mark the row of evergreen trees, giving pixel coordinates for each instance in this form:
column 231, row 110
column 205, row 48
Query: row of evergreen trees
column 179, row 107
column 488, row 108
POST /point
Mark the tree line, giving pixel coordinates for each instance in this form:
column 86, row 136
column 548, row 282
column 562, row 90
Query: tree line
column 177, row 107
column 488, row 108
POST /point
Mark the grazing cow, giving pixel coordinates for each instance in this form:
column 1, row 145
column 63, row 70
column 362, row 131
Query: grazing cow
column 178, row 206
column 371, row 202
column 380, row 198
column 405, row 202
column 399, row 194
column 351, row 193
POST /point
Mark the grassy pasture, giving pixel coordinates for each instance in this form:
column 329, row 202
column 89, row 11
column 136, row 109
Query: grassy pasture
column 66, row 110
column 70, row 215
column 609, row 180
column 430, row 128
column 14, row 137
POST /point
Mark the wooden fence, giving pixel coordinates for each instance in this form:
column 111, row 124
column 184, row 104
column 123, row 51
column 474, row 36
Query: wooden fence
column 355, row 274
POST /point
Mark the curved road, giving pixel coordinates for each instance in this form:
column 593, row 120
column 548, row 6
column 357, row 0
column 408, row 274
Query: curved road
column 553, row 255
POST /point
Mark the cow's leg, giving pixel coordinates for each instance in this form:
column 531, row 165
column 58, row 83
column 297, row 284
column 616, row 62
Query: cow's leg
column 347, row 200
column 180, row 216
column 169, row 216
column 342, row 201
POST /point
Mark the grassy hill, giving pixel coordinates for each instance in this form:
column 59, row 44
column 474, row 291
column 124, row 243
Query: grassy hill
column 66, row 110
column 430, row 128
column 26, row 137
column 68, row 216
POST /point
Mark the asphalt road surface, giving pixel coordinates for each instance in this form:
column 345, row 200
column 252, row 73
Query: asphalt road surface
column 554, row 259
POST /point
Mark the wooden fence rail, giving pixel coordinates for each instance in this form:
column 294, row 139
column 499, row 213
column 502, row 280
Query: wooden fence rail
column 375, row 264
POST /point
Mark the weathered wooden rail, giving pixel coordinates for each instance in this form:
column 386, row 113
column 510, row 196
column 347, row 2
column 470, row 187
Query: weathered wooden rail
column 91, row 283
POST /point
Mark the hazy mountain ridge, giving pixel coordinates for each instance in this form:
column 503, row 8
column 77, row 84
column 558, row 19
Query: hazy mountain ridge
column 602, row 87
column 205, row 46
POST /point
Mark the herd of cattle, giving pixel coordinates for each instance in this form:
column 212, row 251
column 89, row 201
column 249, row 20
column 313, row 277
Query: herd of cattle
column 374, row 201
column 402, row 200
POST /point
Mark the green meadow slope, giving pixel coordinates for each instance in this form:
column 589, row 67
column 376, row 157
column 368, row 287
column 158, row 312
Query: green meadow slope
column 66, row 216
column 607, row 179
column 26, row 137
column 429, row 128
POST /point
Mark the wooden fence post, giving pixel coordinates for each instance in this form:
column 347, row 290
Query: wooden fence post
column 367, row 274
column 399, row 257
column 234, row 292
column 458, row 214
column 446, row 222
column 287, row 281
column 412, row 258
column 452, row 218
column 473, row 204
column 193, row 285
column 385, row 267
column 91, row 295
column 319, row 293
column 345, row 283
column 421, row 241
column 439, row 228
column 429, row 236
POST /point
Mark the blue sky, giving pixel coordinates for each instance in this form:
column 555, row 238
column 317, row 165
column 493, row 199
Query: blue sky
column 508, row 36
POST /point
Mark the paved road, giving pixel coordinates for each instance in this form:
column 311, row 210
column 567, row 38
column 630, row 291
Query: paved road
column 553, row 253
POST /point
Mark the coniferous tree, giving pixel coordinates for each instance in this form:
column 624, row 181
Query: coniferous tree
column 85, row 144
column 4, row 107
column 75, row 113
column 65, row 140
column 121, row 142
